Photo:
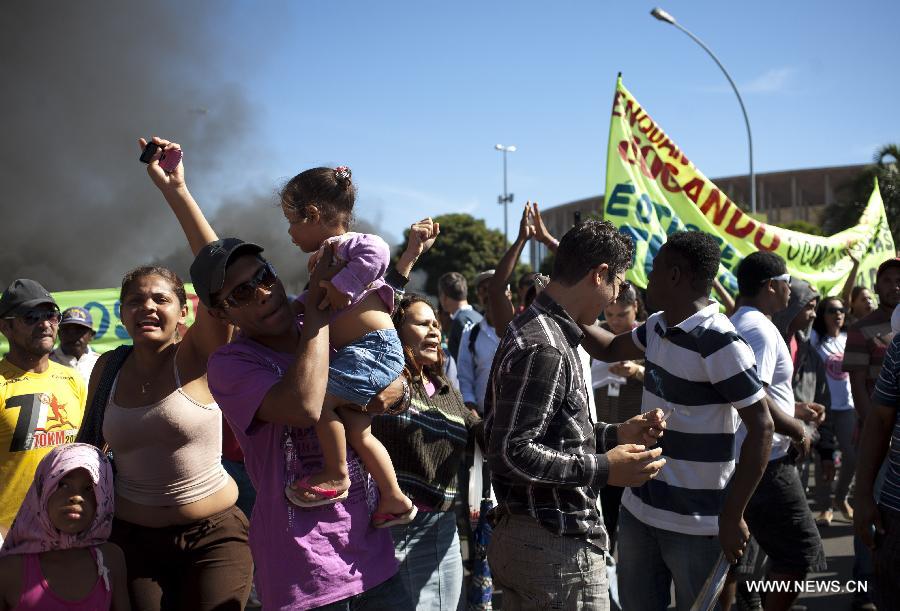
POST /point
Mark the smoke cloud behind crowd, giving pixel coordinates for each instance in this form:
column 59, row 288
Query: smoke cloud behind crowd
column 82, row 81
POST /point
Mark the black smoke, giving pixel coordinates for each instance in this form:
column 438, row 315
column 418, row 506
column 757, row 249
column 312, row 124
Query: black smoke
column 81, row 81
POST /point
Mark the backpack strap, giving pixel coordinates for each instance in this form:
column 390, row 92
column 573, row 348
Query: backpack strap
column 92, row 424
column 473, row 336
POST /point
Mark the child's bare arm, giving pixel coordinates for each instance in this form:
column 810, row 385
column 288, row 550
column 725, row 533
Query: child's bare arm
column 10, row 581
column 114, row 558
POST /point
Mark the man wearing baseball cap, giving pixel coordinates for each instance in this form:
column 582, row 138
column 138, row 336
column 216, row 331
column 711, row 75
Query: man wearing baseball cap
column 41, row 402
column 270, row 383
column 76, row 330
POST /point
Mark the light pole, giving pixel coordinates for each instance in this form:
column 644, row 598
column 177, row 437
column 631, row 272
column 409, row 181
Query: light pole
column 664, row 16
column 506, row 198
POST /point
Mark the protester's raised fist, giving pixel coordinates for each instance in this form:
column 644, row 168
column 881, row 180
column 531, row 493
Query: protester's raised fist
column 161, row 178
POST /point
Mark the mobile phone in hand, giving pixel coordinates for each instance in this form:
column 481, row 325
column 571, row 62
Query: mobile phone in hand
column 149, row 152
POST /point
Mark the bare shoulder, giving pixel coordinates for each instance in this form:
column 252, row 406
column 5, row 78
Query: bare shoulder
column 113, row 555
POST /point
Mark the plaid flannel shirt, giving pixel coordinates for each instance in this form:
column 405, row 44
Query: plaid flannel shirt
column 542, row 443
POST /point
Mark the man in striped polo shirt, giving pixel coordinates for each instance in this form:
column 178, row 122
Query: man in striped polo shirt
column 867, row 341
column 702, row 374
column 878, row 526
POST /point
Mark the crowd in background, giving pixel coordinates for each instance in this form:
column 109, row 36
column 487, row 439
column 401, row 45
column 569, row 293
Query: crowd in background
column 328, row 451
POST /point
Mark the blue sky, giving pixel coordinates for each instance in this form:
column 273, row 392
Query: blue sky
column 414, row 95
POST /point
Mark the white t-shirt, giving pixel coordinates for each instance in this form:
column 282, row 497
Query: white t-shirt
column 774, row 366
column 831, row 350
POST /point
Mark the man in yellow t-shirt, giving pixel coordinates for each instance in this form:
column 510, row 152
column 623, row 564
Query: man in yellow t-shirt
column 41, row 402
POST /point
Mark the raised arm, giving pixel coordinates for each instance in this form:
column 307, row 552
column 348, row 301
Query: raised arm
column 421, row 238
column 207, row 333
column 502, row 308
column 196, row 228
column 847, row 291
column 540, row 230
column 725, row 297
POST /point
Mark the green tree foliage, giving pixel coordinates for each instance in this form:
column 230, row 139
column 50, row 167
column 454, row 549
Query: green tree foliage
column 803, row 227
column 853, row 196
column 465, row 245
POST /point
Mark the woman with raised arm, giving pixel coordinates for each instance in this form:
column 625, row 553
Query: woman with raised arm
column 184, row 540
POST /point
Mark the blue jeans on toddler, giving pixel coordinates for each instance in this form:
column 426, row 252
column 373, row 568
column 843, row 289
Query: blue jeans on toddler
column 363, row 368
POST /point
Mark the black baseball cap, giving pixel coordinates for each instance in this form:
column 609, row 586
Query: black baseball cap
column 892, row 262
column 21, row 294
column 208, row 268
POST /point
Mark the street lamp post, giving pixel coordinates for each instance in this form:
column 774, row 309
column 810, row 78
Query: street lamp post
column 666, row 17
column 506, row 198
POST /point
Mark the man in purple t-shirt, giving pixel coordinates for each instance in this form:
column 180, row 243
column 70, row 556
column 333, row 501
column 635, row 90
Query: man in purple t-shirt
column 270, row 384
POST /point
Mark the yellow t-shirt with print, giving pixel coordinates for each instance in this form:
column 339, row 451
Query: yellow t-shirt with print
column 38, row 411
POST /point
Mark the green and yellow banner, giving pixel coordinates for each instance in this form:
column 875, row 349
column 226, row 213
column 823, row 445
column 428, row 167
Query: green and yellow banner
column 103, row 304
column 653, row 190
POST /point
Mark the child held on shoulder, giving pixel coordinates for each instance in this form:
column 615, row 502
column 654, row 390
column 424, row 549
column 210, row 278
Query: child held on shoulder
column 367, row 354
column 56, row 555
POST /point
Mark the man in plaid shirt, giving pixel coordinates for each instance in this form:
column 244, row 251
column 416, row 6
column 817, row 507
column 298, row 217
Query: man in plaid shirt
column 548, row 459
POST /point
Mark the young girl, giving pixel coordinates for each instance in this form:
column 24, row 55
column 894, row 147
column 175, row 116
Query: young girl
column 56, row 556
column 368, row 356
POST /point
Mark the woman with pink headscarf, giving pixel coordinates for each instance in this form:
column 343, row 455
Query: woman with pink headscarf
column 56, row 556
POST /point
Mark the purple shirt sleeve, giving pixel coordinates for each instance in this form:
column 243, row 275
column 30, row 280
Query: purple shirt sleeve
column 367, row 257
column 239, row 381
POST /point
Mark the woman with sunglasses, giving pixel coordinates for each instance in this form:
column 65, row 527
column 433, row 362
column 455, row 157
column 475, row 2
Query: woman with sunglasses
column 829, row 337
column 184, row 540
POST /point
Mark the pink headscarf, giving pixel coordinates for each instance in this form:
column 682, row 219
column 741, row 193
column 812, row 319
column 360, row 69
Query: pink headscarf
column 32, row 532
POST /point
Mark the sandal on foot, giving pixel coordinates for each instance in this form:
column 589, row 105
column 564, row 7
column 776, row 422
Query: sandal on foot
column 384, row 520
column 846, row 511
column 825, row 518
column 324, row 496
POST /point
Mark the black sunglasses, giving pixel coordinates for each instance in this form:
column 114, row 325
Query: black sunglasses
column 245, row 292
column 835, row 310
column 34, row 316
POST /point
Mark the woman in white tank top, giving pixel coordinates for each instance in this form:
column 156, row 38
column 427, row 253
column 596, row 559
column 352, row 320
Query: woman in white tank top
column 185, row 542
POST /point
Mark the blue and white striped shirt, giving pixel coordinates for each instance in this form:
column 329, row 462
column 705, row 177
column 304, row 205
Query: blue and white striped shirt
column 887, row 393
column 698, row 369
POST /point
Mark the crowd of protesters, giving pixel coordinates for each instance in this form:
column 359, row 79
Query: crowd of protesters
column 316, row 452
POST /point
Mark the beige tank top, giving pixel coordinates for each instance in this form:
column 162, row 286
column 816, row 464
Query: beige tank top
column 166, row 453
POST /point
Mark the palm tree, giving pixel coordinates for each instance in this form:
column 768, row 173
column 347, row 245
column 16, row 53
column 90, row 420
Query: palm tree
column 853, row 196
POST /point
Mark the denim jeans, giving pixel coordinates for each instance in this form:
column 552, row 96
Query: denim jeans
column 390, row 594
column 537, row 569
column 650, row 559
column 430, row 561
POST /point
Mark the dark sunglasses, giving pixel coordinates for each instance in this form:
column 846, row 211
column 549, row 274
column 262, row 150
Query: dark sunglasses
column 245, row 292
column 33, row 317
column 835, row 310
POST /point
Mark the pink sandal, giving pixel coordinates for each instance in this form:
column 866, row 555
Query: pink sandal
column 325, row 496
column 385, row 520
